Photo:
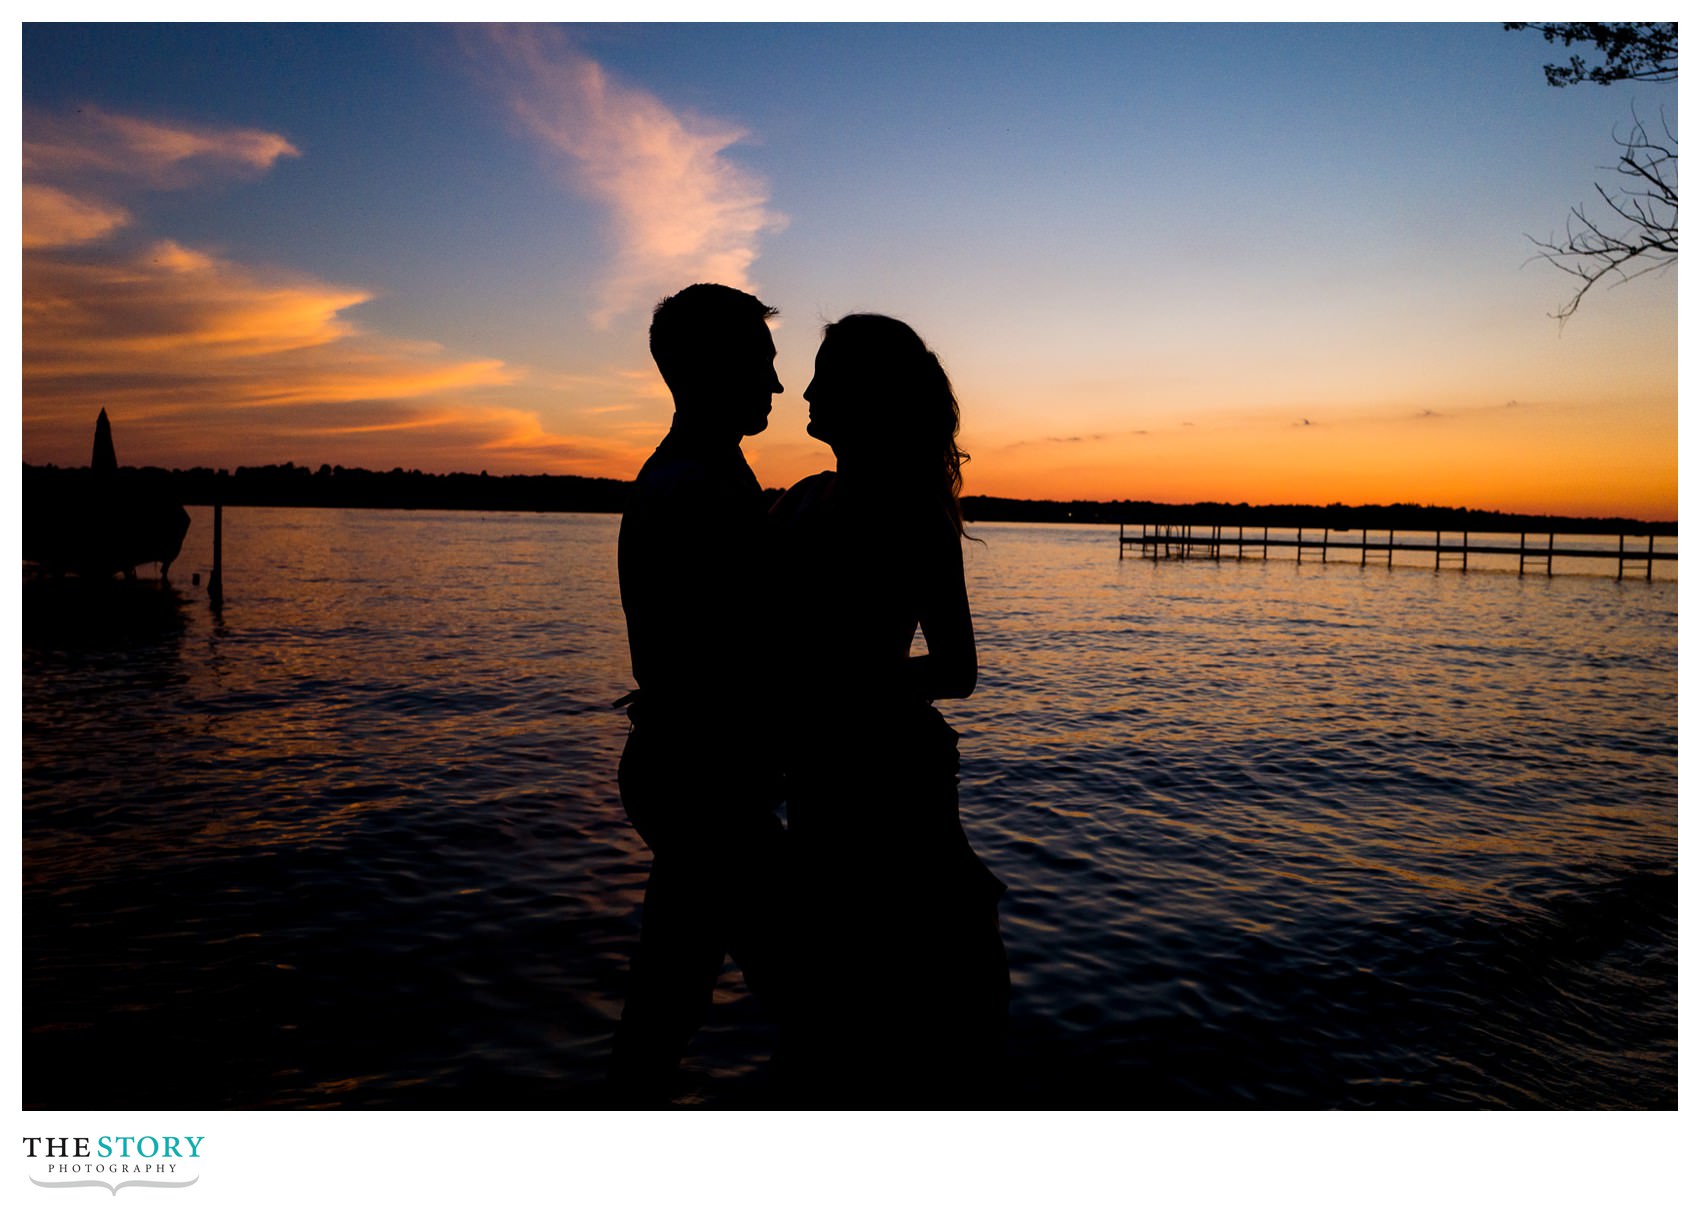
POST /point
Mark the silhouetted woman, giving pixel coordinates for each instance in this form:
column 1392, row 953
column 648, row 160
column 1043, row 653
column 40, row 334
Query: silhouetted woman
column 902, row 982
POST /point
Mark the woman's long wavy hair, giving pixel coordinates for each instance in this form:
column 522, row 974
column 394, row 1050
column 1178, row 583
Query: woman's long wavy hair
column 909, row 398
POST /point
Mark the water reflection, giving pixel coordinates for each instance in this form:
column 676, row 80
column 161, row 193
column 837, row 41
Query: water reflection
column 1276, row 835
column 95, row 614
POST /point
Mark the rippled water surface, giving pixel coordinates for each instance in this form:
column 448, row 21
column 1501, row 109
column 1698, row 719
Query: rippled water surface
column 1277, row 834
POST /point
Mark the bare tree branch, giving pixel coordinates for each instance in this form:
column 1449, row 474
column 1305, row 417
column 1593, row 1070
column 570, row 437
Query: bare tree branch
column 1592, row 253
column 1644, row 51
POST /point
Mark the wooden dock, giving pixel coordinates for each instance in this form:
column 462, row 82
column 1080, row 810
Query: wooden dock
column 1187, row 540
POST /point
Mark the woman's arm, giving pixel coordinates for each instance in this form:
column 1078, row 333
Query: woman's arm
column 951, row 666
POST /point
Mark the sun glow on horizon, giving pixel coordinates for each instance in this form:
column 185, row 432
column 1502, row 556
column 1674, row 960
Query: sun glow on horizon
column 1308, row 330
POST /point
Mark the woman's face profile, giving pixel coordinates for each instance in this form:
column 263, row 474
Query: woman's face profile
column 828, row 394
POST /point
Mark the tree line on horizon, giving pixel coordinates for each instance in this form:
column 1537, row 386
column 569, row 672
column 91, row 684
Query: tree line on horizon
column 289, row 485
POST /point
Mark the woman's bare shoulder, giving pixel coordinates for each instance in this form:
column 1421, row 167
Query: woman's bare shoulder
column 807, row 491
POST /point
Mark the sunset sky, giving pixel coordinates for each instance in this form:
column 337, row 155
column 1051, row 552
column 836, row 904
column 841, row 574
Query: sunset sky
column 1173, row 262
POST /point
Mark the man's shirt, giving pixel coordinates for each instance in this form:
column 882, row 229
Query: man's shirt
column 693, row 583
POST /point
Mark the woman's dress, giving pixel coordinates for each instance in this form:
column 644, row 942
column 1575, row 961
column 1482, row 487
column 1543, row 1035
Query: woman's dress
column 901, row 981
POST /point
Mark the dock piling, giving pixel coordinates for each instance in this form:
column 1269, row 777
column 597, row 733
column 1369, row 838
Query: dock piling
column 1624, row 558
column 1526, row 556
column 215, row 583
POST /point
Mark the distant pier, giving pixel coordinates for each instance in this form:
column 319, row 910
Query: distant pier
column 1188, row 540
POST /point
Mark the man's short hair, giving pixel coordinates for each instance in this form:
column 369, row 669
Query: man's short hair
column 692, row 328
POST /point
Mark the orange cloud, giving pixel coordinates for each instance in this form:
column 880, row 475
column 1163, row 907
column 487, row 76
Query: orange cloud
column 54, row 219
column 201, row 359
column 170, row 330
column 681, row 211
column 526, row 441
column 184, row 311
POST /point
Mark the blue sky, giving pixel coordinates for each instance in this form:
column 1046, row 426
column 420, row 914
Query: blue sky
column 1148, row 255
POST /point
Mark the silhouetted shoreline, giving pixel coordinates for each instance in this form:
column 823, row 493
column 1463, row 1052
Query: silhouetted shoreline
column 1288, row 517
column 329, row 487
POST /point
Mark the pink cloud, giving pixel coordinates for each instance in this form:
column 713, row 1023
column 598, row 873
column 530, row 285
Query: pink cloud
column 681, row 210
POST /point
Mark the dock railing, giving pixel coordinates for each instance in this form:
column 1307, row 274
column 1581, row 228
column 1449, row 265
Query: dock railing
column 1183, row 540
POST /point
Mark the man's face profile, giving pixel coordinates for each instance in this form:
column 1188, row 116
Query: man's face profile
column 749, row 381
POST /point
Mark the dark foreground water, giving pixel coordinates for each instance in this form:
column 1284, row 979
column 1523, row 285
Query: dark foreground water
column 1276, row 834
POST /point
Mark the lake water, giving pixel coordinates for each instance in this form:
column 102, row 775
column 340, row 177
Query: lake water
column 1277, row 834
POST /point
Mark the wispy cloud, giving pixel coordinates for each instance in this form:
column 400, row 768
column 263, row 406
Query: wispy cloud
column 680, row 209
column 92, row 142
column 1075, row 438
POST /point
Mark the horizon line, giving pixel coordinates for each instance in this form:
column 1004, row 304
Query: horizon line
column 296, row 470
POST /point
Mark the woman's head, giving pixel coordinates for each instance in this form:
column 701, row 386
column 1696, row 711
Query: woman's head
column 879, row 397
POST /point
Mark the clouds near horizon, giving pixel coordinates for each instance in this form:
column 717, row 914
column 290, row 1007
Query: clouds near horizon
column 188, row 348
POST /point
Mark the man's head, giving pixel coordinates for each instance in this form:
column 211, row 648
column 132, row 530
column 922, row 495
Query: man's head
column 713, row 348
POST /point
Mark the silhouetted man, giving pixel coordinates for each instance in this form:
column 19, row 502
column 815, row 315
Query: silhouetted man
column 698, row 779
